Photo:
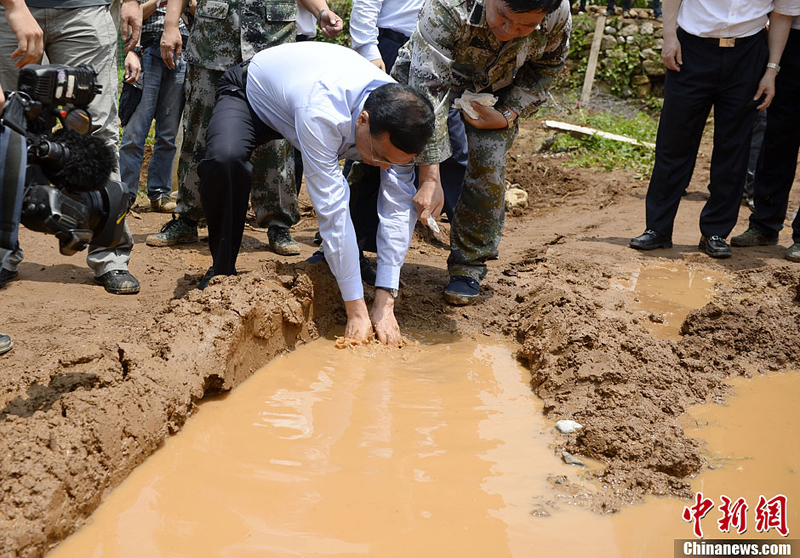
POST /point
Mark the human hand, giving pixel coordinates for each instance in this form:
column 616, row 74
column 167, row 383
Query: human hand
column 429, row 198
column 379, row 63
column 671, row 54
column 383, row 320
column 171, row 45
column 489, row 118
column 133, row 67
column 30, row 38
column 766, row 89
column 330, row 24
column 130, row 23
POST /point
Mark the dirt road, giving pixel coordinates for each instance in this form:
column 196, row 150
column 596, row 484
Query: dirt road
column 96, row 382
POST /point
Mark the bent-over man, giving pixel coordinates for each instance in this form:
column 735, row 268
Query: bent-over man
column 331, row 104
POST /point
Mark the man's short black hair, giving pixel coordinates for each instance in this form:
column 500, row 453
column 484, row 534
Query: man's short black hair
column 405, row 113
column 524, row 6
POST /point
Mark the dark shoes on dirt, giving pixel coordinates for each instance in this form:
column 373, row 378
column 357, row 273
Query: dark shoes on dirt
column 177, row 230
column 281, row 242
column 6, row 276
column 793, row 254
column 368, row 272
column 461, row 291
column 651, row 240
column 715, row 246
column 754, row 237
column 5, row 343
column 118, row 281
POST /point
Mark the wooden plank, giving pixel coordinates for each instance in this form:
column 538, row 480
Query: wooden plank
column 586, row 131
column 588, row 80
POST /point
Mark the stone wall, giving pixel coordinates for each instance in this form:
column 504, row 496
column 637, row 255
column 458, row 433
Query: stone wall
column 629, row 64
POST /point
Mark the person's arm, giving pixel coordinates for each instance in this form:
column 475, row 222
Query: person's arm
column 429, row 199
column 529, row 89
column 671, row 54
column 130, row 23
column 30, row 38
column 329, row 23
column 779, row 27
column 397, row 218
column 330, row 196
column 171, row 40
column 364, row 30
column 149, row 7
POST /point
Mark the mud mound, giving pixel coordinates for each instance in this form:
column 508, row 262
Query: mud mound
column 105, row 407
column 593, row 362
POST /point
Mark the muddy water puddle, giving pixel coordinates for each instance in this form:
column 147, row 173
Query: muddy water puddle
column 435, row 450
column 669, row 292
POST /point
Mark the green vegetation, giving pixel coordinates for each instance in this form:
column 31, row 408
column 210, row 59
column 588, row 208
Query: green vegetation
column 596, row 152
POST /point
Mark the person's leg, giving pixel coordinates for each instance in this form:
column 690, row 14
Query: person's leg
column 778, row 160
column 688, row 96
column 480, row 212
column 12, row 183
column 453, row 169
column 734, row 113
column 169, row 107
column 226, row 173
column 656, row 8
column 131, row 148
column 757, row 139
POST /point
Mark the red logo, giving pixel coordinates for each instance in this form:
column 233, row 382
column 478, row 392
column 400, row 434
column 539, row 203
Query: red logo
column 769, row 514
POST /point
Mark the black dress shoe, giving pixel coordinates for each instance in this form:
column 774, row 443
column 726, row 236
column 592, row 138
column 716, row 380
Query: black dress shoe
column 650, row 240
column 6, row 276
column 715, row 246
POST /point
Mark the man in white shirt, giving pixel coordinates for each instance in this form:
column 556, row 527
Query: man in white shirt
column 331, row 104
column 718, row 54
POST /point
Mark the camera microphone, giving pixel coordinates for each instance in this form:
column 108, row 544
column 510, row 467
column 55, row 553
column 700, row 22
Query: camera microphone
column 80, row 163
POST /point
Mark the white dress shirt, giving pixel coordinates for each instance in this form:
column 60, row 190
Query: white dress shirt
column 730, row 18
column 312, row 93
column 369, row 15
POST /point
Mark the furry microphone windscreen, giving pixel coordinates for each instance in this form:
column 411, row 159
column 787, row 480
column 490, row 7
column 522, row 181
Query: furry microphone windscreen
column 89, row 165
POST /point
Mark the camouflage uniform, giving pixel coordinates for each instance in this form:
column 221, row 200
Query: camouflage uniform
column 453, row 50
column 224, row 34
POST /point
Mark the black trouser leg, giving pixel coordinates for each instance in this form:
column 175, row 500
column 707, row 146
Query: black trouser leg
column 226, row 173
column 777, row 163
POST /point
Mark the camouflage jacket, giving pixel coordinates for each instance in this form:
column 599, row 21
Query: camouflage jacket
column 453, row 50
column 227, row 32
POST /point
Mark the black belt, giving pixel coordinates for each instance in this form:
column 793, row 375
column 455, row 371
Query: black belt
column 722, row 42
column 392, row 35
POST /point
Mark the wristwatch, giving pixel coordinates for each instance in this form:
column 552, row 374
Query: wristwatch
column 138, row 50
column 510, row 119
column 393, row 292
column 774, row 66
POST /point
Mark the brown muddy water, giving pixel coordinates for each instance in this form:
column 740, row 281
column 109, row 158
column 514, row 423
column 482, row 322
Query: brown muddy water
column 438, row 449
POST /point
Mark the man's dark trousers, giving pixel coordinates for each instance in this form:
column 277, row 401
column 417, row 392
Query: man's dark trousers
column 727, row 79
column 226, row 174
column 778, row 160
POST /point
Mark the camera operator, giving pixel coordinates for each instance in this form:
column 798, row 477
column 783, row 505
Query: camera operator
column 83, row 33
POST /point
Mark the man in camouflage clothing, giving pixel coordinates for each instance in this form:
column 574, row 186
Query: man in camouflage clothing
column 510, row 48
column 225, row 33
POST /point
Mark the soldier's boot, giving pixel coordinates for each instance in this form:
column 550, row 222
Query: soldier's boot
column 462, row 290
column 754, row 237
column 281, row 241
column 178, row 230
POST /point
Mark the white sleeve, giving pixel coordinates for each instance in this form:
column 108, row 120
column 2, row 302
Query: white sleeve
column 330, row 196
column 364, row 28
column 397, row 219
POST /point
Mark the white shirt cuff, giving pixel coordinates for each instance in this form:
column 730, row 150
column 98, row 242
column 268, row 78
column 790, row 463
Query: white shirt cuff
column 370, row 52
column 351, row 289
column 388, row 276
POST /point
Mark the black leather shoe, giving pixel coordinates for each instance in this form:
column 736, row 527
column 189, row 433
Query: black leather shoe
column 650, row 240
column 6, row 276
column 118, row 281
column 715, row 246
column 368, row 273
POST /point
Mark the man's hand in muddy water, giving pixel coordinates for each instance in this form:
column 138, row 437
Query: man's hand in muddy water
column 386, row 329
column 359, row 326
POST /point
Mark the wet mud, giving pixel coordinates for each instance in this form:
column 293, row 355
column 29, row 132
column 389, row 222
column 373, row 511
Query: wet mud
column 96, row 383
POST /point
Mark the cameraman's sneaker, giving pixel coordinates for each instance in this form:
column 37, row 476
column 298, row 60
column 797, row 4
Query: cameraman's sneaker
column 119, row 281
column 754, row 237
column 164, row 204
column 177, row 230
column 281, row 241
column 462, row 290
column 6, row 276
column 5, row 343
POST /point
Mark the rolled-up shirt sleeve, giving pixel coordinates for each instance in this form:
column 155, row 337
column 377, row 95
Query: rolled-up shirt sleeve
column 317, row 135
column 397, row 219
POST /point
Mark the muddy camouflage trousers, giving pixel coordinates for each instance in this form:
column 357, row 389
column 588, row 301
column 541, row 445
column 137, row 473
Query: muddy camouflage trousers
column 273, row 197
column 480, row 212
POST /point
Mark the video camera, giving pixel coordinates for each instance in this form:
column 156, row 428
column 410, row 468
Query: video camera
column 68, row 191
